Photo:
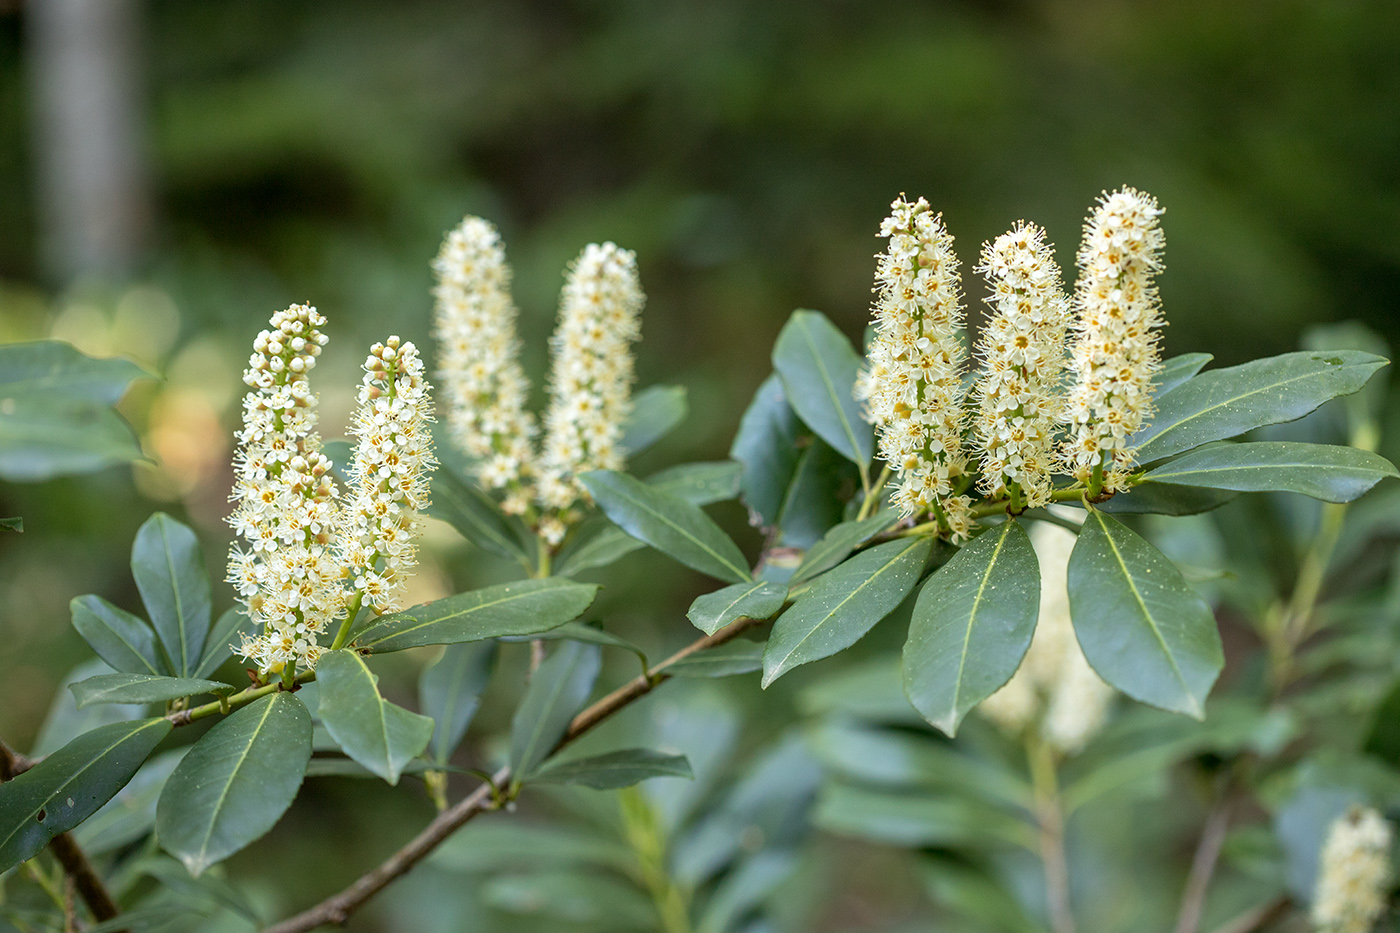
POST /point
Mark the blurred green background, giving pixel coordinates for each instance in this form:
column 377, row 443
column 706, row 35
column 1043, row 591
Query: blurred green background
column 317, row 151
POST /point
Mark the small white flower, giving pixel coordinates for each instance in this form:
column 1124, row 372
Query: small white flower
column 1354, row 873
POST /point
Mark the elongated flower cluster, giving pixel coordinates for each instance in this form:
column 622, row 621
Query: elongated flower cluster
column 1023, row 356
column 389, row 475
column 592, row 376
column 913, row 381
column 479, row 371
column 286, row 573
column 1054, row 683
column 1115, row 352
column 1354, row 874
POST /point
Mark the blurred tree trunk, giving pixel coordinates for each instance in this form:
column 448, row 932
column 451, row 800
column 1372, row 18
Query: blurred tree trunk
column 94, row 193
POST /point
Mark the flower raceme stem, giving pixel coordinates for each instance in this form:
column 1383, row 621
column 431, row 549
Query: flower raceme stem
column 1116, row 345
column 591, row 378
column 1354, row 875
column 1022, row 349
column 913, row 383
column 479, row 370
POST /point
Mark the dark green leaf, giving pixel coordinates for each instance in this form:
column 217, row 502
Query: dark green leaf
column 131, row 814
column 491, row 843
column 236, row 782
column 571, row 897
column 916, row 820
column 12, row 524
column 700, row 483
column 525, row 607
column 71, row 785
column 154, row 917
column 590, row 634
column 141, row 688
column 972, row 625
column 766, row 446
column 1383, row 736
column 335, row 766
column 745, row 888
column 838, row 543
column 812, row 501
column 208, row 888
column 668, row 523
column 65, row 722
column 1161, row 499
column 472, row 512
column 869, row 691
column 739, row 656
column 169, row 572
column 450, row 691
column 1226, row 402
column 376, row 733
column 1142, row 627
column 119, row 638
column 557, row 690
column 58, row 370
column 844, row 604
column 656, row 410
column 597, row 542
column 755, row 600
column 223, row 637
column 613, row 770
column 1177, row 370
column 818, row 367
column 973, row 894
column 1323, row 471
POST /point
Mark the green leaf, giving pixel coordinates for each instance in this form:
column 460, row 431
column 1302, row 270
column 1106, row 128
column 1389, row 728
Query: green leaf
column 589, row 634
column 667, row 523
column 1142, row 627
column 450, row 691
column 818, row 367
column 838, row 543
column 596, row 900
column 614, row 769
column 1323, row 471
column 493, row 842
column 1177, row 370
column 916, row 820
column 739, row 656
column 55, row 369
column 656, row 410
column 1383, row 735
column 755, row 600
column 557, row 690
column 119, row 638
column 766, row 447
column 218, row 647
column 525, row 607
column 477, row 516
column 12, row 524
column 131, row 814
column 169, row 571
column 970, row 892
column 1161, row 499
column 844, row 604
column 71, row 785
column 376, row 733
column 700, row 483
column 236, row 782
column 1226, row 402
column 141, row 688
column 812, row 503
column 972, row 624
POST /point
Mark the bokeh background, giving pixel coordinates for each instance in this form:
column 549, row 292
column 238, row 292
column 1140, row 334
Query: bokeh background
column 173, row 172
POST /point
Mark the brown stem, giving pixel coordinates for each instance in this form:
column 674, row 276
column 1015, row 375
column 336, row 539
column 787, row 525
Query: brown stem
column 65, row 848
column 1260, row 916
column 339, row 907
column 1193, row 898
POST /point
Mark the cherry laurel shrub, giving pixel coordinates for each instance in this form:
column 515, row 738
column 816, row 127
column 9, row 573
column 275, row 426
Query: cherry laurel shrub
column 1010, row 501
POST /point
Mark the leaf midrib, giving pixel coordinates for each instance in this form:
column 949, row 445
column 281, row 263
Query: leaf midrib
column 830, row 387
column 223, row 793
column 724, row 561
column 972, row 614
column 530, row 591
column 176, row 597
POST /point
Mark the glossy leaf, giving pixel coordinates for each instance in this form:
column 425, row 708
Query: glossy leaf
column 70, row 785
column 838, row 543
column 524, row 607
column 557, row 691
column 378, row 734
column 656, row 411
column 766, row 447
column 1162, row 499
column 972, row 624
column 449, row 693
column 700, row 483
column 818, row 367
column 218, row 647
column 844, row 604
column 1323, row 471
column 1177, row 370
column 131, row 814
column 169, row 571
column 589, row 634
column 758, row 599
column 614, row 769
column 812, row 501
column 236, row 782
column 1143, row 629
column 477, row 516
column 1223, row 403
column 739, row 656
column 121, row 639
column 141, row 688
column 668, row 523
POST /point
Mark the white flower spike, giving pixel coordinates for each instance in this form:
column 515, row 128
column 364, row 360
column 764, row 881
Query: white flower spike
column 1354, row 874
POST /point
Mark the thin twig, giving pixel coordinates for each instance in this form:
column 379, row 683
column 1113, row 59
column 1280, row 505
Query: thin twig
column 1050, row 819
column 1193, row 898
column 338, row 908
column 65, row 848
column 1252, row 920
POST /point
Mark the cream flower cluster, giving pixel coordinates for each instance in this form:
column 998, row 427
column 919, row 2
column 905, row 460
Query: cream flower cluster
column 1022, row 349
column 591, row 378
column 1354, row 874
column 479, row 371
column 1115, row 352
column 913, row 382
column 286, row 573
column 389, row 475
column 1054, row 683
